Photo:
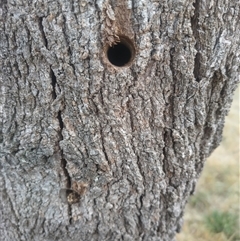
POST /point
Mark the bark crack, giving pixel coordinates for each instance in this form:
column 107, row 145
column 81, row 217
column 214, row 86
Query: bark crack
column 175, row 80
column 40, row 22
column 67, row 41
column 195, row 29
column 103, row 147
column 54, row 82
column 164, row 162
column 61, row 125
column 196, row 70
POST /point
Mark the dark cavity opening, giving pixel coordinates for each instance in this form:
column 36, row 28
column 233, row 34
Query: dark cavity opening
column 119, row 54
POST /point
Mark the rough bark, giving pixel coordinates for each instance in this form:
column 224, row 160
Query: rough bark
column 91, row 151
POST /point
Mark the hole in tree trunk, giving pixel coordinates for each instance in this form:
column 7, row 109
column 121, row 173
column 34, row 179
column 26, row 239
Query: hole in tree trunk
column 122, row 53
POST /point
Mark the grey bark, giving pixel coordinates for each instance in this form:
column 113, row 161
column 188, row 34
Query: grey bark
column 91, row 151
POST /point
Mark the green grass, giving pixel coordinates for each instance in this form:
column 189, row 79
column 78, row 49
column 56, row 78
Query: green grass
column 212, row 213
column 225, row 222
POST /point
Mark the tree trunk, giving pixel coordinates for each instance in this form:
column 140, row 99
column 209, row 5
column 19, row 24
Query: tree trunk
column 109, row 110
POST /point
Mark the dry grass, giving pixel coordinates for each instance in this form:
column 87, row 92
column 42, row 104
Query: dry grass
column 212, row 214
